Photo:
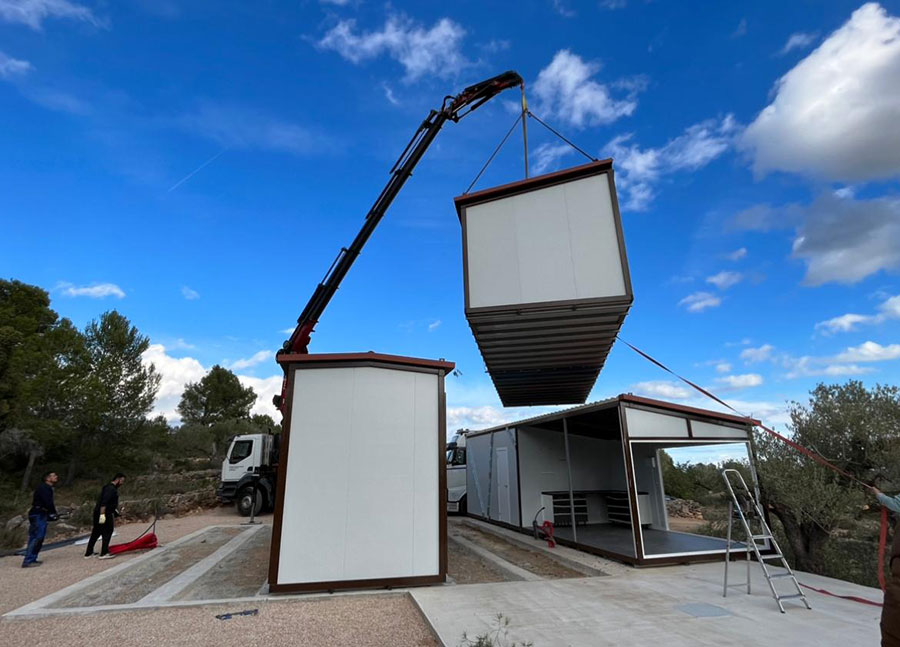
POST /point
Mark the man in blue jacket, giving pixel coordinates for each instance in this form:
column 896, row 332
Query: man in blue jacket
column 105, row 512
column 42, row 510
column 890, row 612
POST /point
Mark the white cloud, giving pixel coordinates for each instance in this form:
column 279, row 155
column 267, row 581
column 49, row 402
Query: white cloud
column 723, row 367
column 434, row 325
column 476, row 417
column 640, row 169
column 389, row 94
column 339, row 3
column 189, row 293
column 563, row 9
column 737, row 254
column 564, row 90
column 844, row 323
column 546, row 157
column 34, row 12
column 421, row 52
column 724, row 280
column 97, row 291
column 798, row 40
column 700, row 301
column 175, row 373
column 836, row 114
column 241, row 127
column 661, row 389
column 10, row 67
column 807, row 366
column 761, row 354
column 869, row 351
column 256, row 358
column 846, row 240
column 741, row 29
column 744, row 381
column 178, row 372
column 613, row 4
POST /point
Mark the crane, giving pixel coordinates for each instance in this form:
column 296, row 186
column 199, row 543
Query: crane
column 453, row 109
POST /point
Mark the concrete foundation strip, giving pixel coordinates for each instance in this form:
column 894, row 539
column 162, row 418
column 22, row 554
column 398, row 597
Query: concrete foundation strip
column 42, row 604
column 526, row 542
column 497, row 561
column 177, row 584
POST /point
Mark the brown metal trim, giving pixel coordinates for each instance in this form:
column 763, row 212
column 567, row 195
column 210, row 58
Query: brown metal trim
column 442, row 480
column 465, row 251
column 388, row 582
column 631, row 485
column 679, row 408
column 689, row 430
column 281, row 479
column 533, row 183
column 519, row 478
column 620, row 232
column 496, row 522
column 353, row 360
column 563, row 306
column 318, row 358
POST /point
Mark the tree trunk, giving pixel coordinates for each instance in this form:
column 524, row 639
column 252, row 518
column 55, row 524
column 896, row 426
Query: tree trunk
column 32, row 456
column 70, row 470
column 805, row 539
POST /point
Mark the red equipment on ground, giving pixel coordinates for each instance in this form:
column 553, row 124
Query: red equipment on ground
column 147, row 540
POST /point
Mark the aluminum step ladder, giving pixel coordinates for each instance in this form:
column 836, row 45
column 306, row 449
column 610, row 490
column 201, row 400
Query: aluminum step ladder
column 745, row 507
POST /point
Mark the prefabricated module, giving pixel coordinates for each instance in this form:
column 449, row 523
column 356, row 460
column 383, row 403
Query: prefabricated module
column 547, row 286
column 361, row 485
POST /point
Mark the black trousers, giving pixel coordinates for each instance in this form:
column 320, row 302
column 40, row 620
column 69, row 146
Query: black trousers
column 104, row 530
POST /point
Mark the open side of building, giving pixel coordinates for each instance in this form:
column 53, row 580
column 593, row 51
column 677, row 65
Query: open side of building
column 595, row 472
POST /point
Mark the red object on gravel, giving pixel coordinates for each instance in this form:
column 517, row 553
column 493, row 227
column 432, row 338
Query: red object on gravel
column 144, row 542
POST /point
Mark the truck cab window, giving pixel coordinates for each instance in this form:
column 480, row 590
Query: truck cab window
column 456, row 456
column 240, row 451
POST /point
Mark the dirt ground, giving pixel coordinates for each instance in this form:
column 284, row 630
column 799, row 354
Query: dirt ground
column 361, row 619
column 528, row 559
column 684, row 524
column 465, row 567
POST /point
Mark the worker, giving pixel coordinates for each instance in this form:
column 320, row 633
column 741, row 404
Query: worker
column 890, row 612
column 105, row 512
column 42, row 510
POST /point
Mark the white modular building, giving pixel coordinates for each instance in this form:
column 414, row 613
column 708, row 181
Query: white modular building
column 547, row 285
column 361, row 496
column 595, row 471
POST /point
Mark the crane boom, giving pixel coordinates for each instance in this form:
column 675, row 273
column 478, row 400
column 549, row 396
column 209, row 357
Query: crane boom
column 453, row 109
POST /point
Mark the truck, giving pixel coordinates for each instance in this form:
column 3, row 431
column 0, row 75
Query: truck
column 456, row 473
column 251, row 460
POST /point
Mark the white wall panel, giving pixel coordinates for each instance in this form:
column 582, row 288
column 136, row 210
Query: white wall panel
column 552, row 244
column 708, row 430
column 361, row 495
column 647, row 424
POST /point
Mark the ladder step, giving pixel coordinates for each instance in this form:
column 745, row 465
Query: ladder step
column 793, row 596
column 779, row 576
column 758, row 537
column 772, row 556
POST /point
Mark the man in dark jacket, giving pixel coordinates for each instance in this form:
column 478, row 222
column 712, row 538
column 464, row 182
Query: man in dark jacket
column 104, row 517
column 42, row 510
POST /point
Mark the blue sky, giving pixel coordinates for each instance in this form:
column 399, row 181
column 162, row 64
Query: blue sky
column 197, row 166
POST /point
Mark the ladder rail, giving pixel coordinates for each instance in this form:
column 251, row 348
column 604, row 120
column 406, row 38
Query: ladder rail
column 766, row 535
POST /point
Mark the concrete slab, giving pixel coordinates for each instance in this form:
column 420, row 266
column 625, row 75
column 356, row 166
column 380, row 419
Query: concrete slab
column 647, row 607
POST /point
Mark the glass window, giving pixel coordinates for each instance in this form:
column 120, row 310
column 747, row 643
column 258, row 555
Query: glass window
column 456, row 456
column 240, row 450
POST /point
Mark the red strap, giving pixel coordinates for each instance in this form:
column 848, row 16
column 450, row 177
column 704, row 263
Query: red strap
column 843, row 597
column 882, row 543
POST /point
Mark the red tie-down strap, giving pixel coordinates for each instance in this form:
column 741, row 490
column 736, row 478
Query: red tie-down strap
column 547, row 529
column 803, row 450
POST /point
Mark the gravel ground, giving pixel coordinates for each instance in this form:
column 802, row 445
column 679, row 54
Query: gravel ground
column 359, row 620
column 365, row 619
column 530, row 560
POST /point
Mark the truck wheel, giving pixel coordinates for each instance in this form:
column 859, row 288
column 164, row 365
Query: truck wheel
column 244, row 501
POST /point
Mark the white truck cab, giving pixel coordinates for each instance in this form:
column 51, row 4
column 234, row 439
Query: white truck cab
column 250, row 457
column 456, row 472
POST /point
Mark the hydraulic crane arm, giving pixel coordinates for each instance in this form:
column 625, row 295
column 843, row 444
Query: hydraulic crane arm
column 453, row 109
